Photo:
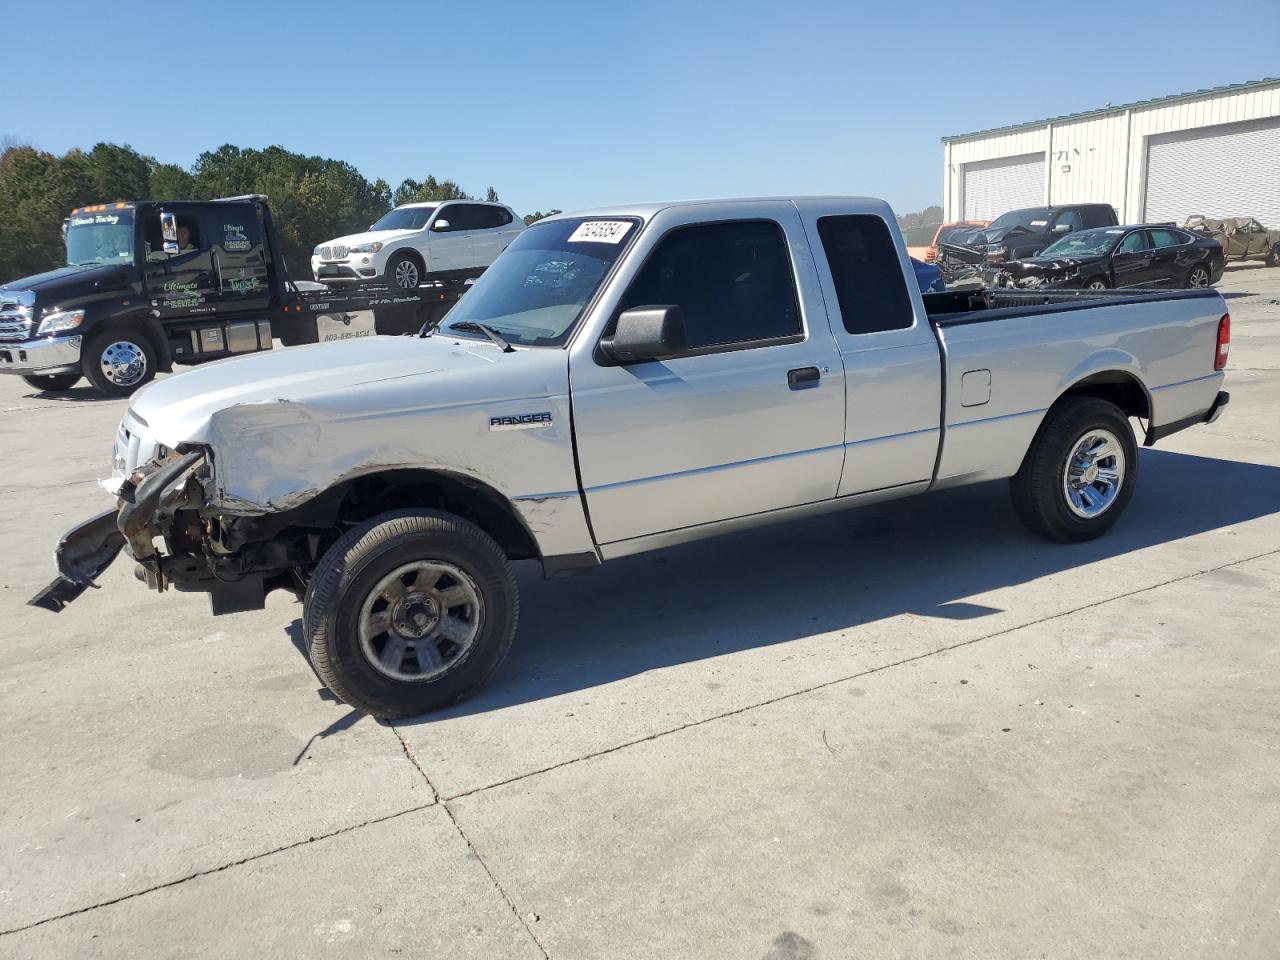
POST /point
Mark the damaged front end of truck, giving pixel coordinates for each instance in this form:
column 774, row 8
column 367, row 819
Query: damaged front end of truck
column 163, row 520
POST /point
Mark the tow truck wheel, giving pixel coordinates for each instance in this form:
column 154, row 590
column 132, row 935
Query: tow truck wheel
column 409, row 612
column 53, row 381
column 120, row 361
column 1079, row 474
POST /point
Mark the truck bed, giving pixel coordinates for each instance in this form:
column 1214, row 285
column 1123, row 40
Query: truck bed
column 980, row 305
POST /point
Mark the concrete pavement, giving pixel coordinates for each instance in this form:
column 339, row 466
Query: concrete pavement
column 909, row 730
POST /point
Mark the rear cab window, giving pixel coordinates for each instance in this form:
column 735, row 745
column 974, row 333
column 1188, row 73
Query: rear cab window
column 870, row 285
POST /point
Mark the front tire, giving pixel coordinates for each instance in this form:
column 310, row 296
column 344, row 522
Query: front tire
column 1097, row 283
column 409, row 612
column 1079, row 473
column 119, row 362
column 52, row 381
column 404, row 270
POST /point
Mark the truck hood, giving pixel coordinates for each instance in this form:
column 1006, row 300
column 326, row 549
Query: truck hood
column 326, row 375
column 55, row 282
column 371, row 236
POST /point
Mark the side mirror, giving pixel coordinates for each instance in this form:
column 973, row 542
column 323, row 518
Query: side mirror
column 647, row 333
column 169, row 230
column 1062, row 228
column 440, row 226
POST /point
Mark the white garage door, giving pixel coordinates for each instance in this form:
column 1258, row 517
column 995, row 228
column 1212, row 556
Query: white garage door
column 992, row 187
column 1227, row 171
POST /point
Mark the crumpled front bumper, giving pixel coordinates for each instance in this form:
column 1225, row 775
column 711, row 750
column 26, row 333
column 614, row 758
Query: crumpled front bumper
column 147, row 501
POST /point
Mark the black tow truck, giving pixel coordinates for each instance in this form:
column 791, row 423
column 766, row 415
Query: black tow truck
column 150, row 284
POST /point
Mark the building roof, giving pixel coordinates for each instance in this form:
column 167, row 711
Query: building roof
column 1103, row 111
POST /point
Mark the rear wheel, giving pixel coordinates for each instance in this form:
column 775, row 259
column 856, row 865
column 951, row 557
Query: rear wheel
column 409, row 612
column 1198, row 278
column 53, row 381
column 1079, row 474
column 118, row 362
column 404, row 270
column 1273, row 258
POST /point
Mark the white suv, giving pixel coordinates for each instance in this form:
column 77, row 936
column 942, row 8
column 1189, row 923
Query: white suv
column 449, row 240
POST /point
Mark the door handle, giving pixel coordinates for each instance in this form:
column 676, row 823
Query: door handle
column 803, row 377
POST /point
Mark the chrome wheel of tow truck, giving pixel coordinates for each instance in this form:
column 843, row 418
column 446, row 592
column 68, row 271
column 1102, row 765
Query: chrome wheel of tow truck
column 118, row 362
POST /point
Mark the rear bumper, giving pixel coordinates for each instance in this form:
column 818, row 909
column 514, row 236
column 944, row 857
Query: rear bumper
column 1204, row 416
column 46, row 355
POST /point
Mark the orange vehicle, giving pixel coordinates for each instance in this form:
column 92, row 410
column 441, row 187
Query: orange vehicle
column 931, row 251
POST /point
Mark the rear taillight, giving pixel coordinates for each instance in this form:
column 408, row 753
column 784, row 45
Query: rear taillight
column 1224, row 342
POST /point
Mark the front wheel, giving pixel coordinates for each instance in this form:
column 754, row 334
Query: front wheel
column 1198, row 278
column 52, row 381
column 1079, row 474
column 118, row 362
column 1097, row 283
column 409, row 612
column 404, row 271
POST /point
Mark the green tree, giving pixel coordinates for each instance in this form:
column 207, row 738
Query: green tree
column 535, row 217
column 411, row 191
column 491, row 195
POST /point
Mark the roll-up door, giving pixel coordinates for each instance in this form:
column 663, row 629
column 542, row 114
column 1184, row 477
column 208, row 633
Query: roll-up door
column 992, row 187
column 1227, row 171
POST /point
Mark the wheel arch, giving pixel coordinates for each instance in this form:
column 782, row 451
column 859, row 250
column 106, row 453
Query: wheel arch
column 361, row 497
column 1118, row 384
column 144, row 323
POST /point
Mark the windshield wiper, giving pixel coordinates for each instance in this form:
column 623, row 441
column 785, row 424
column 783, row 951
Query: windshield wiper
column 487, row 330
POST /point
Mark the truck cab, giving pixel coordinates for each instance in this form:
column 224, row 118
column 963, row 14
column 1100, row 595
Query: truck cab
column 148, row 284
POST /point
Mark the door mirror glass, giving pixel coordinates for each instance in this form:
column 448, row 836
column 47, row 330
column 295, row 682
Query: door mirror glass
column 647, row 333
column 440, row 226
column 169, row 231
column 1062, row 228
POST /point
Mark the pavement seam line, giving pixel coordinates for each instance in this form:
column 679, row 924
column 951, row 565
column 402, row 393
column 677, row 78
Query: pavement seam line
column 853, row 676
column 511, row 905
column 213, row 870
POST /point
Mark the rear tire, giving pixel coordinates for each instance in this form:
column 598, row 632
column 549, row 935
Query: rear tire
column 404, row 270
column 409, row 612
column 1273, row 258
column 1198, row 277
column 1079, row 473
column 53, row 381
column 119, row 362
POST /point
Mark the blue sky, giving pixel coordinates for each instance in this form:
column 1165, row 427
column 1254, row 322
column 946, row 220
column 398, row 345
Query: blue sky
column 568, row 104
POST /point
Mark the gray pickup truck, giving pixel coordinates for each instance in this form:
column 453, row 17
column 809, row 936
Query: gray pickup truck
column 620, row 381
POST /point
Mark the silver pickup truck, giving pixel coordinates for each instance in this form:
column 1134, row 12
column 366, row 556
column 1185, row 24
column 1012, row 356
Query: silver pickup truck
column 620, row 381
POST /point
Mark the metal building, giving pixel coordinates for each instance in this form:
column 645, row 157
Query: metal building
column 1212, row 152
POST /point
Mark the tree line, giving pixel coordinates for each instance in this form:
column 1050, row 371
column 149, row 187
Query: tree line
column 313, row 199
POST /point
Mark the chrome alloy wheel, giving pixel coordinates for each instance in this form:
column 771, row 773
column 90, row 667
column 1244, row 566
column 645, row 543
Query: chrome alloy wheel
column 406, row 275
column 1097, row 285
column 1199, row 278
column 420, row 620
column 123, row 363
column 1094, row 474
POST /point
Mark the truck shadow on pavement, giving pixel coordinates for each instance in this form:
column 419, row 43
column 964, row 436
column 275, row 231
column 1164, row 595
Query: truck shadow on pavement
column 921, row 556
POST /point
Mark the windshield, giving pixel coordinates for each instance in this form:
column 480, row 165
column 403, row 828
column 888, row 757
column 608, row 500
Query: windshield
column 1034, row 217
column 1086, row 243
column 100, row 238
column 537, row 289
column 405, row 218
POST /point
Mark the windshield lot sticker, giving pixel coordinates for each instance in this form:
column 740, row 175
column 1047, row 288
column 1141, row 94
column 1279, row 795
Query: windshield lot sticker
column 600, row 231
column 1038, row 223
